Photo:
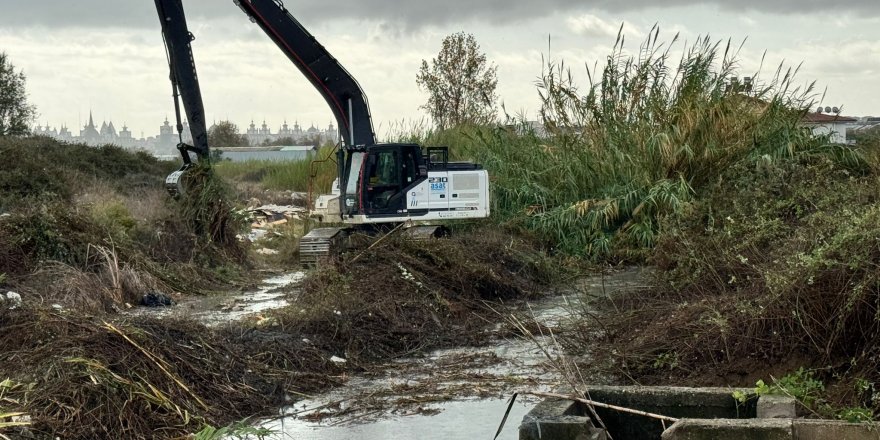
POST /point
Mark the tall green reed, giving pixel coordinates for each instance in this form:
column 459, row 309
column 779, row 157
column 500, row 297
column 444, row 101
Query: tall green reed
column 640, row 141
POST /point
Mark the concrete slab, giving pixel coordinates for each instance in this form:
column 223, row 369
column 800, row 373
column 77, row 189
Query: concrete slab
column 837, row 430
column 730, row 429
column 678, row 402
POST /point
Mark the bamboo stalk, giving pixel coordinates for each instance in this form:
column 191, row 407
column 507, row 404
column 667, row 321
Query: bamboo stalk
column 602, row 405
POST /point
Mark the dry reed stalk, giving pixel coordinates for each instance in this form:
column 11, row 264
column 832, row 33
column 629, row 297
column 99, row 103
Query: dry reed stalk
column 159, row 363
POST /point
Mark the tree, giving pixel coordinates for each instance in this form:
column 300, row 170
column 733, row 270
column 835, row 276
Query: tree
column 460, row 83
column 15, row 113
column 224, row 134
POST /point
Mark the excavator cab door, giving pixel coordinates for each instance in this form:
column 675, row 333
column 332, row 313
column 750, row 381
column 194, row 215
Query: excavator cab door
column 378, row 179
column 389, row 171
column 384, row 181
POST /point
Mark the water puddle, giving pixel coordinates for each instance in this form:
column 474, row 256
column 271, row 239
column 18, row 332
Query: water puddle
column 453, row 393
column 477, row 419
column 211, row 310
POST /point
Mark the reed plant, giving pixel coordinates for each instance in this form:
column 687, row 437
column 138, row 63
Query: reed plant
column 641, row 140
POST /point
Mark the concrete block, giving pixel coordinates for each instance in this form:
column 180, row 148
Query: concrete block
column 833, row 429
column 777, row 407
column 560, row 428
column 678, row 402
column 730, row 429
column 554, row 420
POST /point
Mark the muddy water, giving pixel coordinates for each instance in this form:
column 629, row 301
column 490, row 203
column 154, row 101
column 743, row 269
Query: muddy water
column 216, row 309
column 458, row 393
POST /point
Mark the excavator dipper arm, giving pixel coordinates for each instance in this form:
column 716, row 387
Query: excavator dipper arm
column 336, row 85
column 184, row 80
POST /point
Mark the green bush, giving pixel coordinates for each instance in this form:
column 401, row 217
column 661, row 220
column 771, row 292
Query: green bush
column 43, row 168
column 283, row 175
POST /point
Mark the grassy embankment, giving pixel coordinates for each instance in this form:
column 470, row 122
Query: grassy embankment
column 101, row 216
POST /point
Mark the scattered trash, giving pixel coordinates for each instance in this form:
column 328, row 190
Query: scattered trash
column 156, row 299
column 337, row 360
column 13, row 298
column 255, row 235
column 268, row 216
column 57, row 307
column 266, row 321
column 266, row 251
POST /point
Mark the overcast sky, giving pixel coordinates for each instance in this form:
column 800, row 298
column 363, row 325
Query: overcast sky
column 108, row 56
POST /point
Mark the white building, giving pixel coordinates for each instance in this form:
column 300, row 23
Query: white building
column 835, row 125
column 263, row 134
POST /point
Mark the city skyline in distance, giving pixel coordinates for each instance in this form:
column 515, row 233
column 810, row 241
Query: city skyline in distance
column 166, row 136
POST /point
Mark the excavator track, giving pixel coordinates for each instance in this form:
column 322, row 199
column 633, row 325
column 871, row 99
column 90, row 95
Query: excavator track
column 320, row 244
column 323, row 243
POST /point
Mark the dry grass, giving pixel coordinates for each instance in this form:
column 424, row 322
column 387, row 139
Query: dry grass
column 104, row 285
column 87, row 379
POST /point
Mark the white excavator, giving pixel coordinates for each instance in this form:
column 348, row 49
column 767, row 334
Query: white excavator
column 379, row 187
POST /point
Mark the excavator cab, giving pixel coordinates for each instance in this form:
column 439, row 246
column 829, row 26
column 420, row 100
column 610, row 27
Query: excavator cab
column 379, row 178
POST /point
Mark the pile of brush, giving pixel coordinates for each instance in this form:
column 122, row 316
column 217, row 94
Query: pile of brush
column 83, row 378
column 402, row 296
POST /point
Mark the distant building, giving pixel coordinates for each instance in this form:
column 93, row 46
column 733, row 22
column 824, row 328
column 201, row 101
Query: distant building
column 865, row 124
column 166, row 141
column 263, row 134
column 278, row 153
column 90, row 134
column 832, row 124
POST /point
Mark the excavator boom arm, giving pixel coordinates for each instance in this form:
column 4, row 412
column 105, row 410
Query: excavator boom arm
column 184, row 80
column 336, row 85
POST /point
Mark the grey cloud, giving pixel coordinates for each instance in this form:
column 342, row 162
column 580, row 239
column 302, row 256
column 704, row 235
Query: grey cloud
column 401, row 13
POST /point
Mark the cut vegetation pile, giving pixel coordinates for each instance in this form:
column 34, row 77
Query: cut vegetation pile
column 401, row 297
column 82, row 377
column 96, row 224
